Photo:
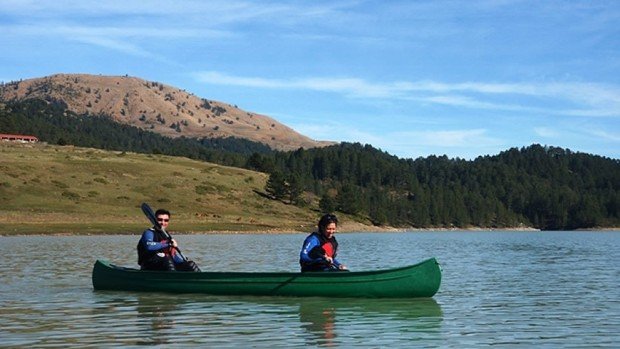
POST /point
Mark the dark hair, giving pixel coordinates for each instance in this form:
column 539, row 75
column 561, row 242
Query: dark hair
column 161, row 211
column 325, row 220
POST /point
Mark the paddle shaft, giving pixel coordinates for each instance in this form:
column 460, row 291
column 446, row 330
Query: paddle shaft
column 148, row 212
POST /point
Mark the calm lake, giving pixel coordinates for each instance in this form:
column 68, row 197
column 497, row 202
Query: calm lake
column 505, row 289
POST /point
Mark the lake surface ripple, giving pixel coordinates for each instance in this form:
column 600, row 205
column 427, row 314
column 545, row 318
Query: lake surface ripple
column 506, row 289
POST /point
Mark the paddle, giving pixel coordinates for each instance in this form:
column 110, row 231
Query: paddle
column 151, row 216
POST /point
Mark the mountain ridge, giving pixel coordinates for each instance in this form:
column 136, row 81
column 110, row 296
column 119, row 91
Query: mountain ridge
column 157, row 107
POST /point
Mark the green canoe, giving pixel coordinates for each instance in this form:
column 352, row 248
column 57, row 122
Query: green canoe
column 419, row 280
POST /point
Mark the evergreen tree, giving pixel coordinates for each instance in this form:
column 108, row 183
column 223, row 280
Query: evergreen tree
column 276, row 186
column 349, row 199
column 327, row 203
column 295, row 190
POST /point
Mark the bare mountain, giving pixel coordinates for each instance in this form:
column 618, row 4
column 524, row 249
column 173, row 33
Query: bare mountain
column 160, row 108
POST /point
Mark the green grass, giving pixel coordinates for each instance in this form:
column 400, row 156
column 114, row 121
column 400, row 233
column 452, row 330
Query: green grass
column 48, row 189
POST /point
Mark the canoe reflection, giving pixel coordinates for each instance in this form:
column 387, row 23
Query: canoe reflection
column 152, row 314
column 158, row 312
column 326, row 318
column 163, row 319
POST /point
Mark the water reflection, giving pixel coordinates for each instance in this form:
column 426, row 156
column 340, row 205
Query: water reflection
column 139, row 318
column 157, row 314
column 191, row 319
column 319, row 322
column 333, row 322
column 326, row 319
column 502, row 289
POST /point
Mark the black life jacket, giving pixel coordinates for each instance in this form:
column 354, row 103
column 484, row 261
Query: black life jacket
column 143, row 253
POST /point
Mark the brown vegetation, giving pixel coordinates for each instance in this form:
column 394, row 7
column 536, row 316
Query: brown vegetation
column 48, row 189
column 157, row 107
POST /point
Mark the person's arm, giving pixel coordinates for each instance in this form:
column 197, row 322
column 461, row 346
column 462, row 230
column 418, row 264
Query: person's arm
column 177, row 258
column 311, row 251
column 335, row 262
column 340, row 265
column 152, row 245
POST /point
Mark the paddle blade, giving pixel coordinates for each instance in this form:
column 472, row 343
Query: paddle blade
column 148, row 212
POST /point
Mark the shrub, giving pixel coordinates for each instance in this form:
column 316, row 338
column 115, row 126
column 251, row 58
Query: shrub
column 71, row 195
column 60, row 184
column 202, row 189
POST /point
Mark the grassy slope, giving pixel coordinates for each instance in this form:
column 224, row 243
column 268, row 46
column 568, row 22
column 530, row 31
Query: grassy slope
column 53, row 189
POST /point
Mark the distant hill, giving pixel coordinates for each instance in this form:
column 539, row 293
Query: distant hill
column 66, row 189
column 52, row 123
column 542, row 187
column 51, row 189
column 157, row 107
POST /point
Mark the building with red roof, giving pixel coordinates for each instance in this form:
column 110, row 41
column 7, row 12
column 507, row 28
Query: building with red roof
column 18, row 138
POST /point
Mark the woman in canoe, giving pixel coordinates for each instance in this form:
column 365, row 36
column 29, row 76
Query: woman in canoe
column 319, row 250
column 156, row 251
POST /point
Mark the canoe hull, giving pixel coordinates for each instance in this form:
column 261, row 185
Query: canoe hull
column 420, row 280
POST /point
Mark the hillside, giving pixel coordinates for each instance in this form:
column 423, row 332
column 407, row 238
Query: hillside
column 543, row 187
column 54, row 189
column 157, row 107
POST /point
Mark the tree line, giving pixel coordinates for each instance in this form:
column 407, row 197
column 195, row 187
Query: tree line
column 51, row 122
column 543, row 187
column 539, row 186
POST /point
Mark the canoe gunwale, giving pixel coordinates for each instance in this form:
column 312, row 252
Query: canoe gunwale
column 418, row 280
column 335, row 274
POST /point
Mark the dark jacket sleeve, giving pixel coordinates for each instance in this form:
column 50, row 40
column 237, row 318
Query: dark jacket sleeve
column 311, row 251
column 148, row 239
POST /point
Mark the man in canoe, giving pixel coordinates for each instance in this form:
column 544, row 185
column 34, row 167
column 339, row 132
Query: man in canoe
column 158, row 251
column 319, row 250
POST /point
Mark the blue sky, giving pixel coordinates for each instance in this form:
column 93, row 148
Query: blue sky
column 413, row 78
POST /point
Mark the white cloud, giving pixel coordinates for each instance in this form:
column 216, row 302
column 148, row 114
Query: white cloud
column 469, row 102
column 589, row 99
column 578, row 131
column 609, row 136
column 216, row 78
column 546, row 132
column 127, row 40
column 409, row 143
column 351, row 87
column 55, row 29
column 125, row 26
column 446, row 138
column 211, row 13
column 346, row 132
column 465, row 143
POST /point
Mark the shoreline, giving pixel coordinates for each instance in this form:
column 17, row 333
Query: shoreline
column 340, row 231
